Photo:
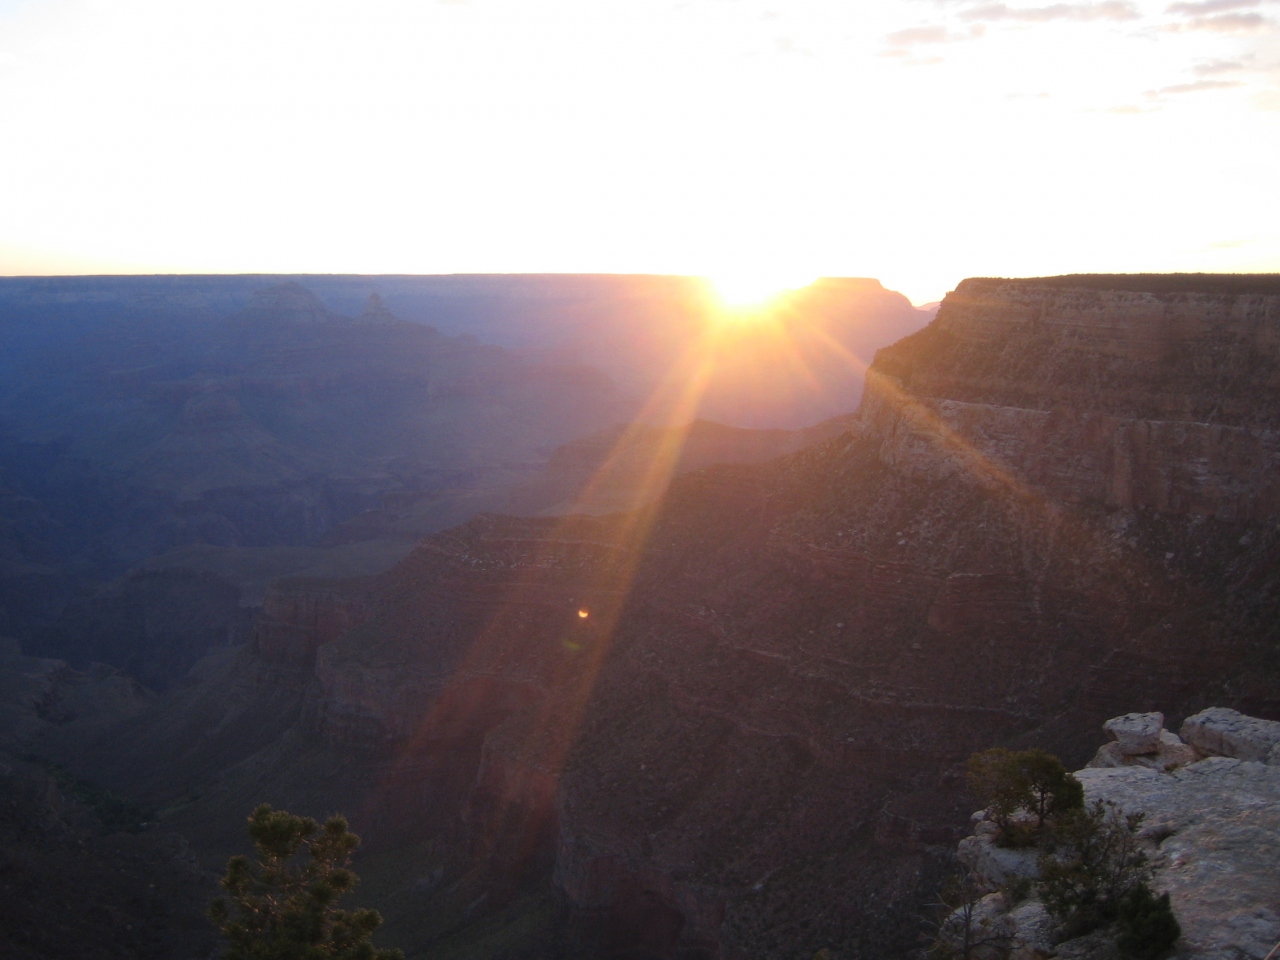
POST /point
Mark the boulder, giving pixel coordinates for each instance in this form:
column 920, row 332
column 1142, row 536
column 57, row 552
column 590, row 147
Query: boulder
column 1170, row 753
column 1173, row 752
column 1136, row 733
column 1222, row 732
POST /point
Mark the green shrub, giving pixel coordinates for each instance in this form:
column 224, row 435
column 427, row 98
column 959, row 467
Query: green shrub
column 1033, row 781
column 1148, row 928
column 1095, row 863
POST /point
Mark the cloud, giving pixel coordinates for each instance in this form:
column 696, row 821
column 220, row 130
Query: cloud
column 1225, row 23
column 914, row 35
column 1220, row 16
column 1210, row 6
column 1216, row 67
column 1195, row 86
column 1106, row 10
column 901, row 43
column 978, row 14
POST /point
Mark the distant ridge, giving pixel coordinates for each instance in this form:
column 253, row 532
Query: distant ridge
column 1230, row 283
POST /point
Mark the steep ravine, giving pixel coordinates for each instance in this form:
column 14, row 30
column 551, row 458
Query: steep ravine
column 1056, row 505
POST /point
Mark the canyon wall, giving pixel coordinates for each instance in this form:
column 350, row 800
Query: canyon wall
column 1124, row 398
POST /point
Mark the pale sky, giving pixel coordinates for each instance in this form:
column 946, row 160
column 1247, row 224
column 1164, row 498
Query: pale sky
column 917, row 141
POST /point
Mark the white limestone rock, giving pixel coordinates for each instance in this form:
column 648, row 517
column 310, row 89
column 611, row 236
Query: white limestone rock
column 1033, row 930
column 1222, row 732
column 996, row 865
column 1171, row 753
column 1214, row 831
column 1136, row 733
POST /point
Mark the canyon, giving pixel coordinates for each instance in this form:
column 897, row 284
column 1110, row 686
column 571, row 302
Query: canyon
column 165, row 439
column 731, row 723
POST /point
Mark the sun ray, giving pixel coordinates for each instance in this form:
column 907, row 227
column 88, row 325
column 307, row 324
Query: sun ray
column 597, row 560
column 601, row 590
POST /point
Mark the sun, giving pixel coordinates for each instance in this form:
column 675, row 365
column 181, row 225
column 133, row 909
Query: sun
column 741, row 290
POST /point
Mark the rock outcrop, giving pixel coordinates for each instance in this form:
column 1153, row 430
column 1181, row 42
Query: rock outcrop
column 1136, row 733
column 1211, row 828
column 1220, row 732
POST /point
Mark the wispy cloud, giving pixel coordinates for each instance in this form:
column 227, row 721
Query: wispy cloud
column 1205, row 7
column 902, row 43
column 1225, row 23
column 1218, row 16
column 1106, row 10
column 1195, row 86
column 915, row 35
column 1217, row 67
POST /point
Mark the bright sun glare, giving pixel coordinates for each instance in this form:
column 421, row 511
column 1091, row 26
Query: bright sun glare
column 754, row 288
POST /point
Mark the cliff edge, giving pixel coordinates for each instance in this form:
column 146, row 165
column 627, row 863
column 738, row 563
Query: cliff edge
column 1210, row 807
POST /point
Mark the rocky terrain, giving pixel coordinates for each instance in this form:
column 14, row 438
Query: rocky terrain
column 731, row 724
column 614, row 470
column 1210, row 802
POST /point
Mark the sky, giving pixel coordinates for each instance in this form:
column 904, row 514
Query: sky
column 916, row 141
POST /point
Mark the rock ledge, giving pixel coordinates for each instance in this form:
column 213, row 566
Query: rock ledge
column 1211, row 829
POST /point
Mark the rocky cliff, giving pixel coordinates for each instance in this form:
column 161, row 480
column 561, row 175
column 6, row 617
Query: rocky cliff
column 1210, row 807
column 730, row 725
column 1122, row 397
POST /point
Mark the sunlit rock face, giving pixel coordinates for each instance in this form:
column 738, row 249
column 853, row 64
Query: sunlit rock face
column 1161, row 400
column 751, row 746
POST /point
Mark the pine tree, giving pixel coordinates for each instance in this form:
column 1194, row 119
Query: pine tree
column 283, row 906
